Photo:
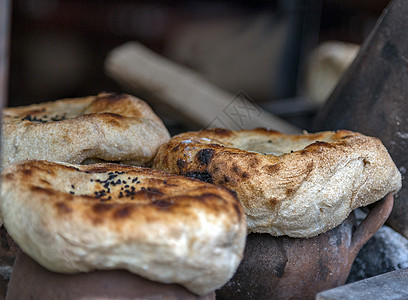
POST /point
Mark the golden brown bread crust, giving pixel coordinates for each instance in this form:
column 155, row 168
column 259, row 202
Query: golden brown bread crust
column 296, row 185
column 167, row 228
column 107, row 126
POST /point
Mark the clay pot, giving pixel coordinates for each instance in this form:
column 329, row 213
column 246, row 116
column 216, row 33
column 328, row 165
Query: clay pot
column 295, row 268
column 29, row 280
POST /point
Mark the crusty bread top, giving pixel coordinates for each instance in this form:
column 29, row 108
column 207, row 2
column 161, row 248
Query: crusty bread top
column 296, row 185
column 167, row 228
column 107, row 126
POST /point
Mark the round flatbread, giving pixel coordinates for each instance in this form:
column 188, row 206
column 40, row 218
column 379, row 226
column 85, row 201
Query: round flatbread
column 164, row 227
column 295, row 185
column 108, row 127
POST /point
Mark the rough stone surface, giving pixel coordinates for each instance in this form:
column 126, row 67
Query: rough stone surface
column 386, row 251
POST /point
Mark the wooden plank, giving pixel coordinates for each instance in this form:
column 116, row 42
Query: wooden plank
column 184, row 91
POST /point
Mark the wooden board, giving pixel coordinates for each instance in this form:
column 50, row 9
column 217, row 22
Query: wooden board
column 186, row 93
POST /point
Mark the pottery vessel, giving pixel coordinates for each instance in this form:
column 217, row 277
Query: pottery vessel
column 296, row 268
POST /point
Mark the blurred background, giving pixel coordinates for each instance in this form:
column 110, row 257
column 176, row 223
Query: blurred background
column 263, row 48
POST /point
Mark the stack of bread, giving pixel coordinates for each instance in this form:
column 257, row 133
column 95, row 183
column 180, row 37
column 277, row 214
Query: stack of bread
column 72, row 212
column 78, row 196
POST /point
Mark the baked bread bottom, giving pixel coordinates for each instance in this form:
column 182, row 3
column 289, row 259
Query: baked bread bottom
column 30, row 280
column 295, row 185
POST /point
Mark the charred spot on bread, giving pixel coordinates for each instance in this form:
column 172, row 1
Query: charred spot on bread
column 181, row 163
column 238, row 211
column 150, row 193
column 204, row 156
column 175, row 148
column 203, row 176
column 33, row 119
column 123, row 212
column 321, row 144
column 39, row 189
column 272, row 169
column 27, row 172
column 101, row 208
column 253, row 162
column 110, row 96
column 273, row 201
column 9, row 176
column 97, row 169
column 222, row 131
column 265, row 130
column 236, row 169
column 163, row 203
column 289, row 192
column 45, row 182
column 113, row 115
column 63, row 208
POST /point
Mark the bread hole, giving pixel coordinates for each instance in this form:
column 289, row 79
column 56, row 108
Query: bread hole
column 94, row 160
column 275, row 146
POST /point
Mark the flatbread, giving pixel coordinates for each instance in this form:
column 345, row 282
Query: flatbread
column 295, row 185
column 164, row 227
column 107, row 127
